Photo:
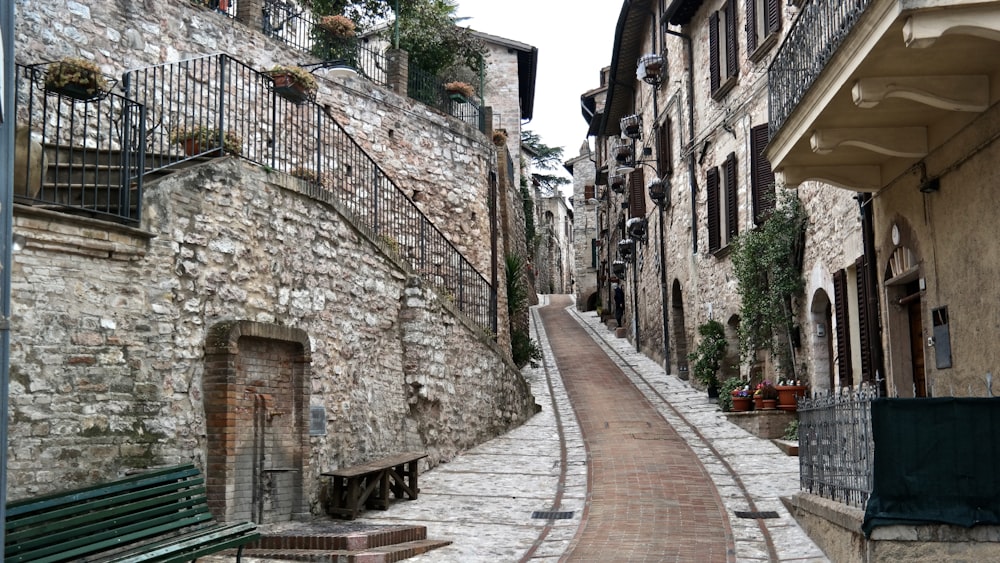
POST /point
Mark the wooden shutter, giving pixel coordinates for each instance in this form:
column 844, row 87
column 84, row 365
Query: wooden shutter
column 732, row 208
column 713, row 51
column 773, row 16
column 593, row 252
column 761, row 177
column 664, row 155
column 843, row 332
column 732, row 65
column 751, row 26
column 864, row 320
column 713, row 210
column 637, row 195
column 588, row 192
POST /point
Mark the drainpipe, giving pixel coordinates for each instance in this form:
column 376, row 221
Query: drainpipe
column 6, row 221
column 693, row 180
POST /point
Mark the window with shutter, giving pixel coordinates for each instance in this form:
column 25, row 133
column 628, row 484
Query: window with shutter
column 664, row 152
column 723, row 64
column 763, row 23
column 588, row 192
column 762, row 177
column 637, row 195
column 843, row 333
column 593, row 253
column 712, row 189
column 731, row 214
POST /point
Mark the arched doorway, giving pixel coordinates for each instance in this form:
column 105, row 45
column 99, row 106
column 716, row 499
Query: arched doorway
column 680, row 332
column 731, row 362
column 820, row 342
column 905, row 323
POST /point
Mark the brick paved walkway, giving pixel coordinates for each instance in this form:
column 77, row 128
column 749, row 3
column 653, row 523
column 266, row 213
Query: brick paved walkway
column 650, row 498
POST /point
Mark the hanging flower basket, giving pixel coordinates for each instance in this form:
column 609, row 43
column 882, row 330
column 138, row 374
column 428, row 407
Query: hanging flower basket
column 459, row 91
column 650, row 68
column 622, row 151
column 205, row 141
column 631, row 126
column 75, row 78
column 337, row 26
column 293, row 83
column 618, row 183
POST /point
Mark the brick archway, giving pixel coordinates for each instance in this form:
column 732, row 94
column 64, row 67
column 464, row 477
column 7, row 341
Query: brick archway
column 256, row 396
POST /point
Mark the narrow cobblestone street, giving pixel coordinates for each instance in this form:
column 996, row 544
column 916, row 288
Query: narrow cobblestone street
column 630, row 464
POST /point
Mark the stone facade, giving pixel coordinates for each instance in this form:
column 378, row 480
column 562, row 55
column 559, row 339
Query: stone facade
column 117, row 356
column 705, row 132
column 553, row 256
column 585, row 231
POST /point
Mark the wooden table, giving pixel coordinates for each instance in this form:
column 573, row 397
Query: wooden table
column 353, row 487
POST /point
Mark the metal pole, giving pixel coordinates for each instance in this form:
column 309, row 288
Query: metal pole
column 6, row 222
column 395, row 28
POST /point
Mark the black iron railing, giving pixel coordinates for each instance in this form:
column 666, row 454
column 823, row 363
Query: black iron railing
column 77, row 151
column 836, row 450
column 811, row 42
column 245, row 115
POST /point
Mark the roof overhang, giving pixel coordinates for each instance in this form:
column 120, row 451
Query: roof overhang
column 527, row 69
column 632, row 29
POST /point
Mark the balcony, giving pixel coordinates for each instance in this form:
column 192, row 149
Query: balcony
column 862, row 90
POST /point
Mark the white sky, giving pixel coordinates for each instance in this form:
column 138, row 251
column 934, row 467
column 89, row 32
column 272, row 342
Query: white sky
column 574, row 40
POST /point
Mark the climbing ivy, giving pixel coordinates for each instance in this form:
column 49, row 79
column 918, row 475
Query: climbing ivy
column 767, row 262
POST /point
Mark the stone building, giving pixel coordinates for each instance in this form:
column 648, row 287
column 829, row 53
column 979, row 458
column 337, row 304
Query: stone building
column 553, row 264
column 585, row 233
column 265, row 326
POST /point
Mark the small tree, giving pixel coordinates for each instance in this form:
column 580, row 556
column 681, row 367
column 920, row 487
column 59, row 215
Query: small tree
column 523, row 349
column 767, row 262
column 707, row 357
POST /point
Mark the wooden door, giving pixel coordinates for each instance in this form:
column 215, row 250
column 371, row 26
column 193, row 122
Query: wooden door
column 917, row 348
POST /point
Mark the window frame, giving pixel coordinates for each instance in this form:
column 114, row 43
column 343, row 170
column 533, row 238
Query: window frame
column 723, row 50
column 762, row 27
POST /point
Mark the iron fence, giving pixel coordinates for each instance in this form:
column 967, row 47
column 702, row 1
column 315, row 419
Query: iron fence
column 811, row 42
column 244, row 114
column 836, row 450
column 76, row 151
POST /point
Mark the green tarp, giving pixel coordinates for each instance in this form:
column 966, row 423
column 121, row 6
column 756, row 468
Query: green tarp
column 937, row 461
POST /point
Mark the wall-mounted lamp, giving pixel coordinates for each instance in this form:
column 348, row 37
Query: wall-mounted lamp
column 930, row 186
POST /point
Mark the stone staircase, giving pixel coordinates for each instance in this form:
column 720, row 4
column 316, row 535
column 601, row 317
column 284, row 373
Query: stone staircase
column 330, row 541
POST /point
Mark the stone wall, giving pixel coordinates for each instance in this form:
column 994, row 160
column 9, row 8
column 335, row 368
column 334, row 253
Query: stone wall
column 111, row 326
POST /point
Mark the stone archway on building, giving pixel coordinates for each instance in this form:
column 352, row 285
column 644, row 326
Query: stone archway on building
column 679, row 330
column 592, row 301
column 904, row 320
column 256, row 396
column 821, row 342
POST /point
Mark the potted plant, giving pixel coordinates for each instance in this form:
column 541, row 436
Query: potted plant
column 788, row 393
column 79, row 79
column 337, row 26
column 742, row 399
column 618, row 183
column 459, row 91
column 293, row 83
column 707, row 356
column 205, row 140
column 767, row 396
column 499, row 137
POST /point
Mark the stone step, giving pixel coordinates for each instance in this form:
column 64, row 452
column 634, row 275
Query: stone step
column 384, row 554
column 336, row 536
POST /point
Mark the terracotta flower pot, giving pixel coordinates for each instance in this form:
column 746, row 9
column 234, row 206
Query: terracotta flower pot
column 741, row 404
column 787, row 395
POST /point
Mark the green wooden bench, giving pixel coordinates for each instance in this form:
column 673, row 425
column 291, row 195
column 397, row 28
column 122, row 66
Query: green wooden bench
column 158, row 516
column 369, row 484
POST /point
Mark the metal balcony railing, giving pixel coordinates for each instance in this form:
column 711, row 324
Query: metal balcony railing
column 836, row 450
column 77, row 152
column 245, row 115
column 811, row 42
column 429, row 89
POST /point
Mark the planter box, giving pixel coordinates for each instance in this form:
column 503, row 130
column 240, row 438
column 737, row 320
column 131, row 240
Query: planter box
column 763, row 424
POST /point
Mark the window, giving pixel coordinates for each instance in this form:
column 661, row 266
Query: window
column 722, row 49
column 664, row 152
column 844, row 365
column 762, row 177
column 588, row 193
column 637, row 195
column 763, row 23
column 723, row 223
